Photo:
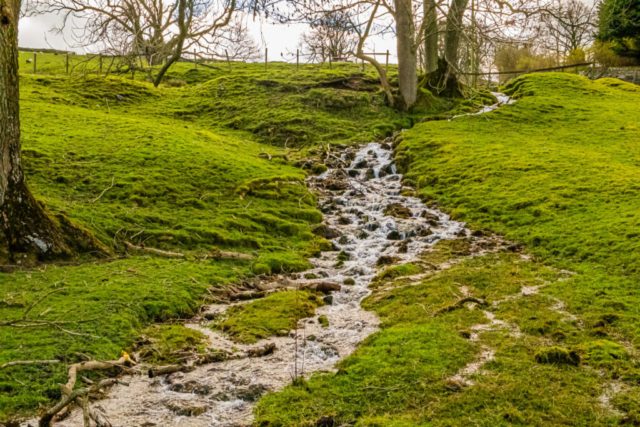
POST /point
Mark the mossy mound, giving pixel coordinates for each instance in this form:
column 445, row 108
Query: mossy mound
column 557, row 356
column 275, row 314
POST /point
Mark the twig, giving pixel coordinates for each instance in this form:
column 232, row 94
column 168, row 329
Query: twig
column 28, row 362
column 266, row 153
column 300, row 201
column 105, row 190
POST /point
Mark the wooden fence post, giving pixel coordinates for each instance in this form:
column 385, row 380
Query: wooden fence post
column 593, row 70
column 297, row 59
column 362, row 64
column 195, row 60
column 228, row 61
column 330, row 63
column 100, row 69
column 35, row 61
column 387, row 60
column 266, row 57
column 67, row 63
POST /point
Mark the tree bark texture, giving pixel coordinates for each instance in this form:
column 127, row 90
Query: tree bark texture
column 407, row 53
column 430, row 36
column 26, row 228
column 453, row 31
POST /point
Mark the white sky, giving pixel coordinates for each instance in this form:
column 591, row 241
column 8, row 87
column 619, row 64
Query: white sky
column 280, row 39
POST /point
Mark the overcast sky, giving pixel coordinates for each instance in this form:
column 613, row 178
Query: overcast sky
column 279, row 39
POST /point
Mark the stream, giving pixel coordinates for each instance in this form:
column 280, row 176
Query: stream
column 353, row 200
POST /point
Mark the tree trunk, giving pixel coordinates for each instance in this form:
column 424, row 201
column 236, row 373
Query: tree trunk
column 454, row 29
column 384, row 79
column 407, row 63
column 430, row 36
column 26, row 229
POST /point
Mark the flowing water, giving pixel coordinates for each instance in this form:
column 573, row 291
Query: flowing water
column 353, row 200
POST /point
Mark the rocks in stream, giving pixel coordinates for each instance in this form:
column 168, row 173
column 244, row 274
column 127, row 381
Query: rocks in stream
column 324, row 287
column 432, row 220
column 404, row 246
column 369, row 174
column 191, row 387
column 394, row 235
column 248, row 394
column 266, row 350
column 397, row 210
column 186, row 408
column 387, row 260
column 362, row 164
column 372, row 226
column 343, row 220
column 334, row 185
column 388, row 169
column 325, row 231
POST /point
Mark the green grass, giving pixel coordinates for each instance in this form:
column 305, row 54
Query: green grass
column 189, row 175
column 400, row 376
column 280, row 106
column 274, row 315
column 556, row 171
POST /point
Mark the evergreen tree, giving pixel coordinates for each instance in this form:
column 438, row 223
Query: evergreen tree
column 619, row 22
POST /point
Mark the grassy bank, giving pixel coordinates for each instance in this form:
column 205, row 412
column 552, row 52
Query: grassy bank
column 180, row 168
column 553, row 172
column 556, row 171
column 405, row 375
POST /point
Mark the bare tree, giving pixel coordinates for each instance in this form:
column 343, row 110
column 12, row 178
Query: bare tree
column 332, row 36
column 568, row 26
column 25, row 226
column 157, row 30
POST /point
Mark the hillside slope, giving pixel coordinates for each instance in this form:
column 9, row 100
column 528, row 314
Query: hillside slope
column 555, row 342
column 181, row 169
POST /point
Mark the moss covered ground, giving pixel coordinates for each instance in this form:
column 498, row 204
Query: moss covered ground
column 405, row 374
column 181, row 168
column 274, row 315
column 555, row 173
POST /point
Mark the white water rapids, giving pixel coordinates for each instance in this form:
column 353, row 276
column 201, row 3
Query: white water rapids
column 353, row 200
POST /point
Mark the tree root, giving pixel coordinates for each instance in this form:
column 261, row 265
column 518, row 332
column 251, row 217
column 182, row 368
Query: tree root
column 70, row 395
column 459, row 304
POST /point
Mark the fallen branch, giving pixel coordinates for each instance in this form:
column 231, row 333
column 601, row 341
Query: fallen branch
column 170, row 369
column 105, row 190
column 245, row 296
column 300, row 201
column 29, row 322
column 167, row 254
column 266, row 155
column 28, row 362
column 229, row 255
column 161, row 253
column 70, row 395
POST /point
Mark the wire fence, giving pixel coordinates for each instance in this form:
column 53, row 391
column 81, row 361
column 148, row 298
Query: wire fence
column 101, row 64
